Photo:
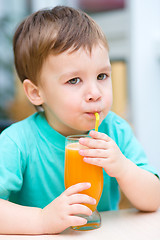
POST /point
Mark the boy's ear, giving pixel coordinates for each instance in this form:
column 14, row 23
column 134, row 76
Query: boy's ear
column 32, row 92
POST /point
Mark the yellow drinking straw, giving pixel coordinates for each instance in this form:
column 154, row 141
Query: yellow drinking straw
column 97, row 121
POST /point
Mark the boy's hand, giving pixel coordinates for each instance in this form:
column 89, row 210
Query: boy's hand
column 61, row 213
column 103, row 151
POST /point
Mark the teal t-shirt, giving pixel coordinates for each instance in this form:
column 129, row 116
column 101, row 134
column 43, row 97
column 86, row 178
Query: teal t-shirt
column 32, row 161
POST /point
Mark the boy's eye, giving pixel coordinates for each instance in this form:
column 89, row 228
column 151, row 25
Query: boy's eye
column 102, row 76
column 74, row 81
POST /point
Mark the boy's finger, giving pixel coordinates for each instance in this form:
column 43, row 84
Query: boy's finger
column 94, row 161
column 80, row 209
column 93, row 143
column 77, row 221
column 77, row 188
column 95, row 153
column 81, row 198
column 99, row 135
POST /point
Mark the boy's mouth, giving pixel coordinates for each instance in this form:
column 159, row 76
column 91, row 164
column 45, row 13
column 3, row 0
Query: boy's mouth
column 92, row 114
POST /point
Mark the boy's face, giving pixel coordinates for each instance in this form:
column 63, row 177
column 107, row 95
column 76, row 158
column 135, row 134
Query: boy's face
column 73, row 87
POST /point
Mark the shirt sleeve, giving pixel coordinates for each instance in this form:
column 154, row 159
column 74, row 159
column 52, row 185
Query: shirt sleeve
column 11, row 166
column 132, row 149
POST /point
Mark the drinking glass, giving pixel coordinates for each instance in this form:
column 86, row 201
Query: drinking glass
column 77, row 171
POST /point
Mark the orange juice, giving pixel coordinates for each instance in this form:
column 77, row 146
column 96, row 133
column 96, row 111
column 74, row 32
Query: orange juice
column 77, row 171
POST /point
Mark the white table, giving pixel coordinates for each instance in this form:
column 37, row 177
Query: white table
column 126, row 224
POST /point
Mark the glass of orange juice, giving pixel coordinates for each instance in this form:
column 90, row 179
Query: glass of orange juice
column 77, row 171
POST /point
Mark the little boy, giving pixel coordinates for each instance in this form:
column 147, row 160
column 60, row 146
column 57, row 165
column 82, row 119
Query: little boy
column 61, row 56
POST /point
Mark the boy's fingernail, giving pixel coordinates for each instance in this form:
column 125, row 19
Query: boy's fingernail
column 89, row 184
column 85, row 159
column 81, row 152
column 81, row 140
column 93, row 131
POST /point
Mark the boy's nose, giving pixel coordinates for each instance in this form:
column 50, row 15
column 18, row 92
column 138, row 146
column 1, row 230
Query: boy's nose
column 93, row 94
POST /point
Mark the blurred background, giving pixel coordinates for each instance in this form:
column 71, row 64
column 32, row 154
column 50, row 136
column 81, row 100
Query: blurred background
column 132, row 28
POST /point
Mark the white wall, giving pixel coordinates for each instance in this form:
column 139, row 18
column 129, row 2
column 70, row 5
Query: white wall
column 40, row 4
column 145, row 75
column 115, row 25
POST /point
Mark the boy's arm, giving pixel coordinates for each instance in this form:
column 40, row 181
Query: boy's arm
column 54, row 218
column 17, row 219
column 141, row 187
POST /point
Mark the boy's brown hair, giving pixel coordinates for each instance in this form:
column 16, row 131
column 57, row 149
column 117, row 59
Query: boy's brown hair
column 52, row 32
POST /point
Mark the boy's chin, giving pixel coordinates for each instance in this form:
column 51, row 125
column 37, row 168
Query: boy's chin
column 87, row 130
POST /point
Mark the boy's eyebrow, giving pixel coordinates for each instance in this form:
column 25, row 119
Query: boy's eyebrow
column 70, row 74
column 106, row 68
column 77, row 73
